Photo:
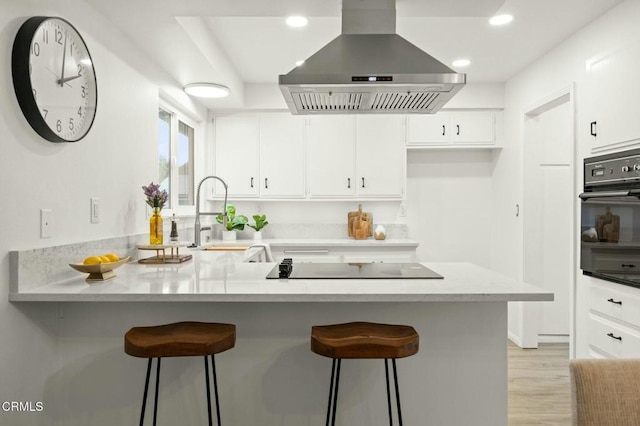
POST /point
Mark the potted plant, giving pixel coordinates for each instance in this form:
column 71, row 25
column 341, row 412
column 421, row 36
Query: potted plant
column 234, row 223
column 260, row 222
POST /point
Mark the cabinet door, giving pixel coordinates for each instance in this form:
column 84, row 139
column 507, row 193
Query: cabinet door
column 380, row 155
column 281, row 155
column 428, row 129
column 331, row 153
column 611, row 104
column 473, row 128
column 236, row 155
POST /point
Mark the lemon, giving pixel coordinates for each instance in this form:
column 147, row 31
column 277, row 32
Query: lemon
column 104, row 259
column 112, row 257
column 92, row 260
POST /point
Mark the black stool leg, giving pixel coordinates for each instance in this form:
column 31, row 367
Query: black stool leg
column 144, row 395
column 395, row 379
column 206, row 372
column 215, row 386
column 155, row 404
column 333, row 372
column 335, row 394
column 386, row 376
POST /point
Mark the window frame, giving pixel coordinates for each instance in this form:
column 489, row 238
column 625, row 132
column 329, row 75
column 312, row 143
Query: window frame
column 176, row 117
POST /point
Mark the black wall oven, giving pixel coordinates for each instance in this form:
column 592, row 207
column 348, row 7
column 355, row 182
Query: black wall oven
column 610, row 218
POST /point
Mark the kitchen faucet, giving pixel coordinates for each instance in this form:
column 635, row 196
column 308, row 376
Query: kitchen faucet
column 198, row 228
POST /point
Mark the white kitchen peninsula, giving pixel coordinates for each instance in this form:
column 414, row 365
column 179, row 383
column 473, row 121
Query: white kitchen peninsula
column 459, row 376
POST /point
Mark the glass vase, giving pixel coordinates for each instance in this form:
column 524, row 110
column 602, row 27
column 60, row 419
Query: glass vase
column 155, row 228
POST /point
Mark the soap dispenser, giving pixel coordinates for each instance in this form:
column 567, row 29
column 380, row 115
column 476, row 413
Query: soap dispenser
column 174, row 229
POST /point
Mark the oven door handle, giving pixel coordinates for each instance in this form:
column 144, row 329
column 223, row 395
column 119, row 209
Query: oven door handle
column 606, row 194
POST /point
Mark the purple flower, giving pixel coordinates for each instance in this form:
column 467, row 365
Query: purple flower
column 155, row 197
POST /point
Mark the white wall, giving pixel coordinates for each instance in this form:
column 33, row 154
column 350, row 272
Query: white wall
column 558, row 69
column 111, row 163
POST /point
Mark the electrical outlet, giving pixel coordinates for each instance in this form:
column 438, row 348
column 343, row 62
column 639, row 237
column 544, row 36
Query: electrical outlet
column 402, row 212
column 95, row 210
column 46, row 223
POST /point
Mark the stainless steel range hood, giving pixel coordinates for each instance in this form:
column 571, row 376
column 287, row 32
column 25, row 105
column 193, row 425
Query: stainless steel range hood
column 369, row 69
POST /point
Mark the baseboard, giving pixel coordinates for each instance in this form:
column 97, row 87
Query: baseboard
column 553, row 338
column 514, row 338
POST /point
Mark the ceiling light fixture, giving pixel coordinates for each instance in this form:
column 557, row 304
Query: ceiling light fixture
column 300, row 62
column 297, row 21
column 207, row 90
column 501, row 19
column 458, row 63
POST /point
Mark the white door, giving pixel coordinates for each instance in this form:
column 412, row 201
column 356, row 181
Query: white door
column 331, row 155
column 379, row 155
column 548, row 216
column 281, row 155
column 236, row 154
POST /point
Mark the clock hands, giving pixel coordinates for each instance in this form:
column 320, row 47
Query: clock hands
column 64, row 56
column 64, row 80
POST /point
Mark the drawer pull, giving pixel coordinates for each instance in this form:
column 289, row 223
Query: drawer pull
column 613, row 336
column 628, row 265
column 617, row 302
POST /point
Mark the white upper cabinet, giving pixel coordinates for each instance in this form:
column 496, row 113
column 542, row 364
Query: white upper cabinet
column 236, row 155
column 331, row 159
column 452, row 129
column 380, row 155
column 282, row 171
column 611, row 105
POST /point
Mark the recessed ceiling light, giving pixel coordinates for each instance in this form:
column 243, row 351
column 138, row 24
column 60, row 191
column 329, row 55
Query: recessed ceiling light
column 461, row 63
column 207, row 90
column 297, row 21
column 300, row 62
column 501, row 19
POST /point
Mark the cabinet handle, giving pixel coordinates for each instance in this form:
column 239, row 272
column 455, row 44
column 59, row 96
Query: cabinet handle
column 627, row 265
column 363, row 182
column 252, row 181
column 617, row 302
column 266, row 183
column 443, row 130
column 457, row 130
column 593, row 128
column 349, row 183
column 613, row 336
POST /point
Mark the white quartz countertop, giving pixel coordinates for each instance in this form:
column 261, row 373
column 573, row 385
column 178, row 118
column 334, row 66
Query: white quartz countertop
column 318, row 242
column 222, row 277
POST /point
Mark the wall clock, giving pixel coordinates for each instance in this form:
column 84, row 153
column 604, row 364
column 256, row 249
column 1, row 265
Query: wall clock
column 54, row 79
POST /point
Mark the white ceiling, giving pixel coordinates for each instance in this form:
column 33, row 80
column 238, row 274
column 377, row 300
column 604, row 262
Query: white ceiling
column 234, row 42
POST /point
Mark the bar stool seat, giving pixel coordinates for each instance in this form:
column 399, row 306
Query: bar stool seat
column 363, row 340
column 180, row 339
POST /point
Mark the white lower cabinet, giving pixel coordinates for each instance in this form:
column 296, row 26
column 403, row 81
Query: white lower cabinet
column 341, row 253
column 614, row 321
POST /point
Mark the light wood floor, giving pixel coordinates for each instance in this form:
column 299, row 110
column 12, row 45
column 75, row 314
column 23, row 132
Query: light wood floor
column 539, row 392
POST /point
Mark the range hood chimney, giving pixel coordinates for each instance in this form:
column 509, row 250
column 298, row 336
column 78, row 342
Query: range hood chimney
column 369, row 69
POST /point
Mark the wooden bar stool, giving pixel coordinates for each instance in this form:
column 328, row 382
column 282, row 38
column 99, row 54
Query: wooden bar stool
column 363, row 340
column 180, row 339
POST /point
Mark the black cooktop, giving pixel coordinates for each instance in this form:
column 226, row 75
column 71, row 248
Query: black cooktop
column 342, row 271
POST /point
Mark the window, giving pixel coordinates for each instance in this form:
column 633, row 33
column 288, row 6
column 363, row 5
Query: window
column 176, row 141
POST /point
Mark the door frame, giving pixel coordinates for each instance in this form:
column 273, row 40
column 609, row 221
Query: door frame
column 530, row 315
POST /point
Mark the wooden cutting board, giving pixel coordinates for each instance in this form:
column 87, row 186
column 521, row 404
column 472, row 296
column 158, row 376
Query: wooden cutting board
column 359, row 224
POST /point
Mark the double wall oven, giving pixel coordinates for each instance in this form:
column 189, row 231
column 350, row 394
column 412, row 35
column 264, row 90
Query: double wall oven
column 610, row 218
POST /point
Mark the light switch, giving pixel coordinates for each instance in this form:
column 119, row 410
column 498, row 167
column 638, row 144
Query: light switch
column 95, row 210
column 46, row 223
